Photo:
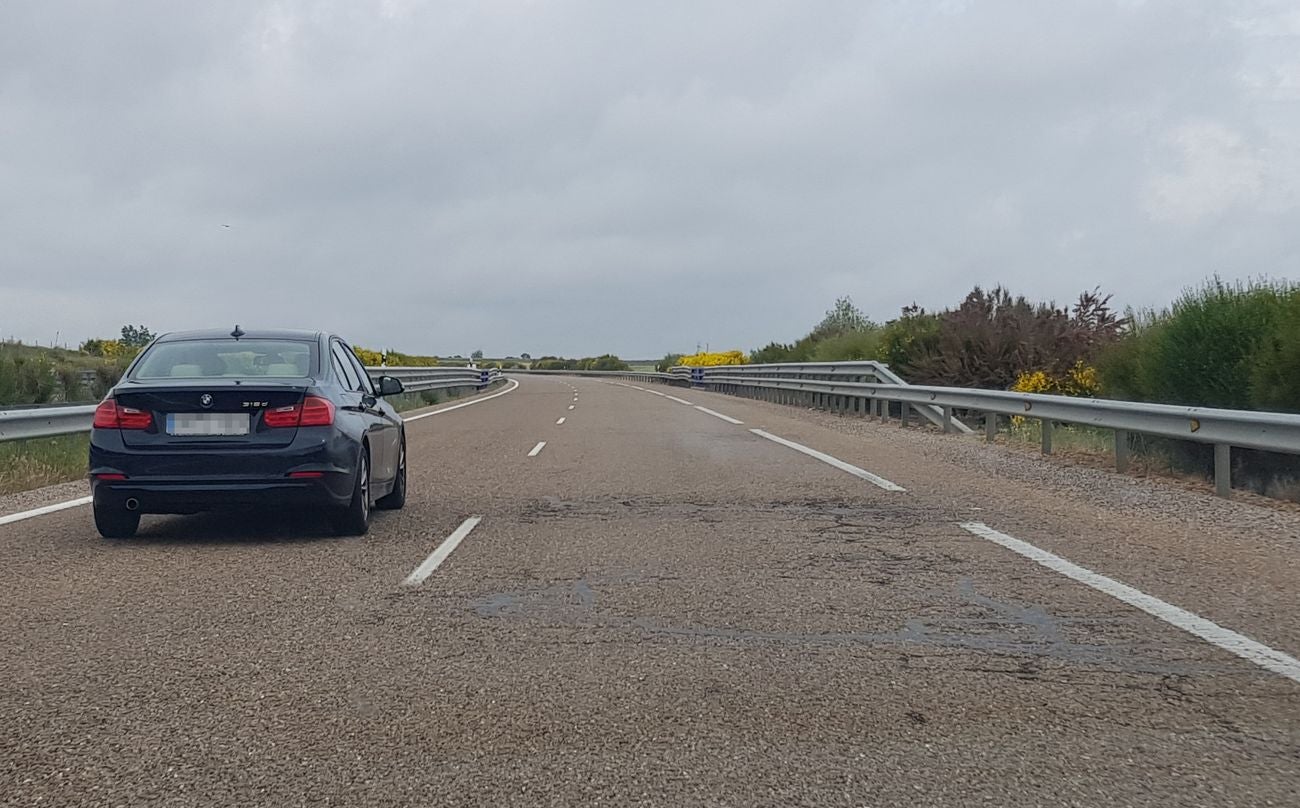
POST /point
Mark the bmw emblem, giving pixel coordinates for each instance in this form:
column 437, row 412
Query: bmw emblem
column 206, row 399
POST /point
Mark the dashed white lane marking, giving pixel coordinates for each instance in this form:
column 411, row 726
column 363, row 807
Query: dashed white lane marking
column 880, row 482
column 562, row 420
column 440, row 555
column 1213, row 633
column 679, row 400
column 61, row 506
column 514, row 382
column 726, row 418
column 537, row 449
column 570, row 406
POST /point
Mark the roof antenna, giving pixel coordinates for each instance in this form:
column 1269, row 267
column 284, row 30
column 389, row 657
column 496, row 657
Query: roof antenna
column 238, row 332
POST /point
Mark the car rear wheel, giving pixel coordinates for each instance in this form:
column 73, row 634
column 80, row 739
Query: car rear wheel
column 354, row 519
column 396, row 498
column 115, row 522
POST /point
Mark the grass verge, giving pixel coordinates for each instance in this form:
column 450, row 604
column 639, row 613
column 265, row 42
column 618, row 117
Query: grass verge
column 28, row 464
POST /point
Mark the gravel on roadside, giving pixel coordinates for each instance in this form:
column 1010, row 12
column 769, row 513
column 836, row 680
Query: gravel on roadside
column 1155, row 496
column 40, row 497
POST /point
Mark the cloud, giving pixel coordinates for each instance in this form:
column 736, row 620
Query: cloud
column 1216, row 171
column 578, row 177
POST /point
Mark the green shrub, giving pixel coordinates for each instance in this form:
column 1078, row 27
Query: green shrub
column 1218, row 345
column 671, row 360
column 1275, row 369
column 855, row 345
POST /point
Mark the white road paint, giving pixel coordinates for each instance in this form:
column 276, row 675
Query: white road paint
column 570, row 406
column 562, row 420
column 537, row 449
column 1241, row 645
column 679, row 400
column 880, row 482
column 61, row 506
column 726, row 418
column 439, row 555
column 508, row 389
column 657, row 393
column 634, row 387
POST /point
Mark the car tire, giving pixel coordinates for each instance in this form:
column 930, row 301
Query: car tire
column 354, row 518
column 396, row 498
column 115, row 522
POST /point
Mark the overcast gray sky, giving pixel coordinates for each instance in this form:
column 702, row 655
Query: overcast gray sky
column 581, row 177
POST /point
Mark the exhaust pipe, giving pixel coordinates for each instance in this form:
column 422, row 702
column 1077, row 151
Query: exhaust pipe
column 132, row 504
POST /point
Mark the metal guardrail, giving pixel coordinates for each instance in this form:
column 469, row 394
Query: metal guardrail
column 44, row 422
column 837, row 387
column 866, row 372
column 420, row 379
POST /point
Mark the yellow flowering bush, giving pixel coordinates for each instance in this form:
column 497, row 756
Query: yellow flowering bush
column 1080, row 380
column 706, row 360
column 368, row 357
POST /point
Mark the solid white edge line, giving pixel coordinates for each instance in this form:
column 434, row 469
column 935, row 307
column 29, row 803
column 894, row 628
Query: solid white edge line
column 515, row 382
column 1239, row 644
column 879, row 482
column 657, row 393
column 562, row 420
column 679, row 400
column 726, row 418
column 439, row 555
column 537, row 449
column 61, row 506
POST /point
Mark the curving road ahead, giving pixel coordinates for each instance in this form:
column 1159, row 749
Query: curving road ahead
column 661, row 606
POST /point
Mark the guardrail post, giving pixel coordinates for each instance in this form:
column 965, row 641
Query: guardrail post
column 884, row 411
column 990, row 427
column 1047, row 436
column 947, row 419
column 903, row 414
column 1121, row 450
column 1223, row 470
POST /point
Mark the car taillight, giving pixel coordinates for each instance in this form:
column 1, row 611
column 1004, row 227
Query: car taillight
column 108, row 415
column 317, row 411
column 313, row 411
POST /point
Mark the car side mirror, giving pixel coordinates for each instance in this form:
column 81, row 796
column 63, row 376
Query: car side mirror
column 388, row 386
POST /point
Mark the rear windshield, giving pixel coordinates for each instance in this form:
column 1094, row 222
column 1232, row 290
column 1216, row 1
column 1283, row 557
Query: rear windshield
column 227, row 358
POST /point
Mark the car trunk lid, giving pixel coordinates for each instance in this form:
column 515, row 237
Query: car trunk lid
column 216, row 413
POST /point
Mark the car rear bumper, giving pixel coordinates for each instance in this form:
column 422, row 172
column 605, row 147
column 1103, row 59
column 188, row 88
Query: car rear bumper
column 187, row 480
column 172, row 496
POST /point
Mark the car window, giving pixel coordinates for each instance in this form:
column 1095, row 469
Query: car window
column 346, row 373
column 227, row 358
column 366, row 385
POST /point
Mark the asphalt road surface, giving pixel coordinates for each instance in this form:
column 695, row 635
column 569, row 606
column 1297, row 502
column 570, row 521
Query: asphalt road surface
column 658, row 607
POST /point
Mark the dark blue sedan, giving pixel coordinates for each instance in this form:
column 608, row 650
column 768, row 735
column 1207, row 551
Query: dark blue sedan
column 211, row 420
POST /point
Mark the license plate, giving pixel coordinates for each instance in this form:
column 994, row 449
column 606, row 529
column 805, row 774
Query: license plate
column 207, row 423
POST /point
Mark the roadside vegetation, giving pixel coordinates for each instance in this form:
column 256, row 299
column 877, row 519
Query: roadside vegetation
column 28, row 464
column 603, row 362
column 1217, row 345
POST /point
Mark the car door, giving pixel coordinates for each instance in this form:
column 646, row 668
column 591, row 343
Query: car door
column 389, row 421
column 359, row 403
